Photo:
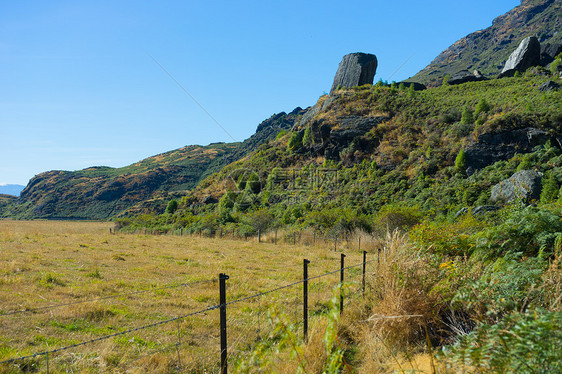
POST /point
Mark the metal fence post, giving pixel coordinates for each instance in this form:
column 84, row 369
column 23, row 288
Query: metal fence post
column 364, row 270
column 222, row 296
column 341, row 282
column 305, row 299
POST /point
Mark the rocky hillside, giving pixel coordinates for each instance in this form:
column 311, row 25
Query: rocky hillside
column 487, row 50
column 146, row 186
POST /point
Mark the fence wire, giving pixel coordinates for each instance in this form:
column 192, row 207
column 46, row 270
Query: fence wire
column 159, row 323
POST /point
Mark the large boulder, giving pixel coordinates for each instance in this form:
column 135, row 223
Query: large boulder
column 522, row 186
column 526, row 55
column 355, row 69
column 464, row 76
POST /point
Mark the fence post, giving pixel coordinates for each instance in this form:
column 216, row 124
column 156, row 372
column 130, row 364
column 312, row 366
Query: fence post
column 259, row 236
column 275, row 236
column 335, row 243
column 305, row 299
column 314, row 240
column 364, row 270
column 222, row 296
column 47, row 362
column 341, row 282
column 294, row 238
column 359, row 244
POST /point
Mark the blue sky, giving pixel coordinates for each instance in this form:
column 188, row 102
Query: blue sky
column 79, row 87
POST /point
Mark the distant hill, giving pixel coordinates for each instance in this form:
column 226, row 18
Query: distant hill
column 103, row 192
column 11, row 189
column 487, row 50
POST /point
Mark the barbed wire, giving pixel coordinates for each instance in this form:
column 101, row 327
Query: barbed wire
column 210, row 308
column 47, row 307
column 105, row 337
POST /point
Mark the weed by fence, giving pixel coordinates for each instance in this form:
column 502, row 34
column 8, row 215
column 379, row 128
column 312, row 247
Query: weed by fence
column 222, row 307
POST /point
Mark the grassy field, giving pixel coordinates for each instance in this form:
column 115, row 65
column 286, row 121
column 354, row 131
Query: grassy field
column 48, row 263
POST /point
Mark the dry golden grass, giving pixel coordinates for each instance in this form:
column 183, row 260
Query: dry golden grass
column 45, row 263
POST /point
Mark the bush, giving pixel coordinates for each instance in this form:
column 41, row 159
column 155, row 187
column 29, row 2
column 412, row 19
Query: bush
column 530, row 231
column 460, row 162
column 467, row 118
column 481, row 107
column 521, row 343
column 295, row 142
column 172, row 207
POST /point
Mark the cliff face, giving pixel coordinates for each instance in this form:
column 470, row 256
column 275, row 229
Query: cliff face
column 487, row 50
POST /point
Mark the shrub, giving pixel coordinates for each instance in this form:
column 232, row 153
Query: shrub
column 467, row 117
column 521, row 343
column 172, row 207
column 481, row 107
column 550, row 189
column 460, row 161
column 307, row 137
column 295, row 142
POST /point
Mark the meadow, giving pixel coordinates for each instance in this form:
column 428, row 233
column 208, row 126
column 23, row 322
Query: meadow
column 63, row 283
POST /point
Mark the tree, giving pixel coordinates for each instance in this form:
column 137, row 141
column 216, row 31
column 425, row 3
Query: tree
column 307, row 137
column 460, row 162
column 295, row 142
column 467, row 118
column 481, row 107
column 550, row 188
column 172, row 207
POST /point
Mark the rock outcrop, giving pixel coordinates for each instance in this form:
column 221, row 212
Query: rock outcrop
column 464, row 76
column 492, row 147
column 355, row 69
column 549, row 51
column 549, row 86
column 526, row 55
column 417, row 86
column 524, row 186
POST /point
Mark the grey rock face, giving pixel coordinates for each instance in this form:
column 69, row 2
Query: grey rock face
column 526, row 55
column 490, row 148
column 549, row 51
column 477, row 211
column 464, row 76
column 417, row 86
column 549, row 86
column 524, row 186
column 355, row 69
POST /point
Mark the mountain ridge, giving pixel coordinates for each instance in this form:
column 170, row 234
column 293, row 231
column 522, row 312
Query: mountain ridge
column 488, row 49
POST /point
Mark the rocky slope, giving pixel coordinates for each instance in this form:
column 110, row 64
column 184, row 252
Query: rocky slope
column 146, row 186
column 487, row 50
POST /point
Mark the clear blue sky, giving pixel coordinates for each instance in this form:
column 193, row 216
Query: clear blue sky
column 79, row 88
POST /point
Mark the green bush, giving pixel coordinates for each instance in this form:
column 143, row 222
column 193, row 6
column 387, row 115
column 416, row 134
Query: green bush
column 172, row 207
column 467, row 117
column 295, row 142
column 460, row 162
column 526, row 342
column 529, row 231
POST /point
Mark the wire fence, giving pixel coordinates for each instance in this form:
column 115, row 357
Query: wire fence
column 337, row 241
column 247, row 324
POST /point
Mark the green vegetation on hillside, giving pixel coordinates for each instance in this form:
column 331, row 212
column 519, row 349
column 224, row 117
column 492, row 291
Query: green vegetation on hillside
column 479, row 275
